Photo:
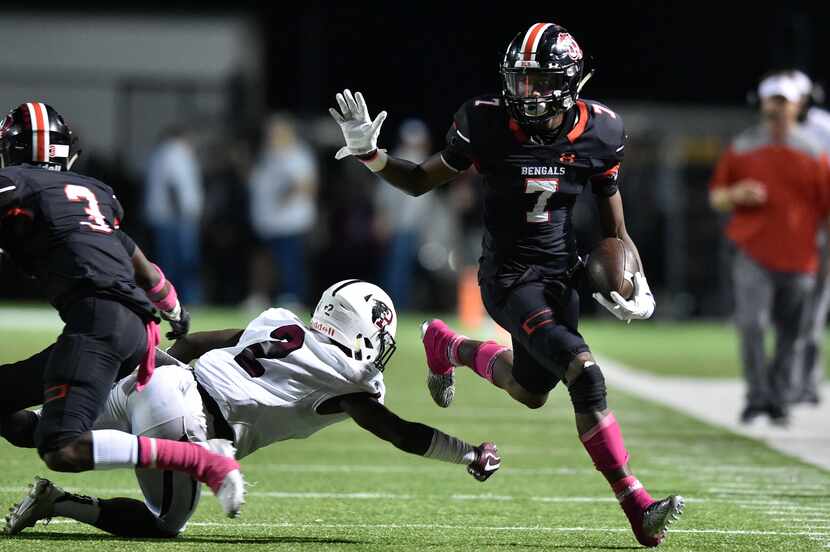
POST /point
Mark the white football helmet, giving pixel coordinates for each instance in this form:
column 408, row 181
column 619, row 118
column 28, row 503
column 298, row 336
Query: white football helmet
column 360, row 318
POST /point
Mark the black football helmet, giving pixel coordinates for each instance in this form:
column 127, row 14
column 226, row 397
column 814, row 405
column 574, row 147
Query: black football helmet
column 35, row 133
column 541, row 74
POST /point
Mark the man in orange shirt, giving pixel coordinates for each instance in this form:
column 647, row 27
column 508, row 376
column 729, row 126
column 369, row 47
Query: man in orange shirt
column 774, row 182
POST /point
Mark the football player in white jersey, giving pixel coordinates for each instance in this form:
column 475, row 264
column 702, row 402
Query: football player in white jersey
column 277, row 379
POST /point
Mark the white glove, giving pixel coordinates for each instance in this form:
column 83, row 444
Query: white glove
column 639, row 307
column 360, row 132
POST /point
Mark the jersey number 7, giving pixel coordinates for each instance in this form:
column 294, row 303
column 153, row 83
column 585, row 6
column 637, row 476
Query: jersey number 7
column 287, row 339
column 545, row 187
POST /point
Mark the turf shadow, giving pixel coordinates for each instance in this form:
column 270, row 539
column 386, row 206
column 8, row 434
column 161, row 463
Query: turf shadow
column 548, row 546
column 213, row 539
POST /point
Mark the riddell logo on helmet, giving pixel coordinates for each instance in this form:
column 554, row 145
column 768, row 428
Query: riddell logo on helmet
column 328, row 330
column 566, row 43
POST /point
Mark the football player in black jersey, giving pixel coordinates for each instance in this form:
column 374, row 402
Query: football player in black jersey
column 62, row 228
column 536, row 146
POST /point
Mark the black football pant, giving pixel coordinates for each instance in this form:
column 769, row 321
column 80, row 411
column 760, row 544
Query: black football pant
column 102, row 340
column 542, row 318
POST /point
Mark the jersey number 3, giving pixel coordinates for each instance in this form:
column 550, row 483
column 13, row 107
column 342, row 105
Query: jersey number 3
column 97, row 222
column 287, row 339
column 545, row 187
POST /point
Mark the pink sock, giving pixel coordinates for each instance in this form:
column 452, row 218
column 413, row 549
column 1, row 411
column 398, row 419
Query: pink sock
column 452, row 349
column 205, row 466
column 634, row 499
column 631, row 493
column 485, row 358
column 604, row 444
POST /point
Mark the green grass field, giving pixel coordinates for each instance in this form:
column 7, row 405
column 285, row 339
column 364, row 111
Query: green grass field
column 344, row 490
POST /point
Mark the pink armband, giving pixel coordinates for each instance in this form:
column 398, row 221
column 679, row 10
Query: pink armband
column 169, row 301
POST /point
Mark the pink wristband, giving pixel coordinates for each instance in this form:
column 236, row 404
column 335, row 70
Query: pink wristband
column 169, row 301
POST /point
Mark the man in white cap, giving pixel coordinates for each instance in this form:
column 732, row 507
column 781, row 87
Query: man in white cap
column 773, row 181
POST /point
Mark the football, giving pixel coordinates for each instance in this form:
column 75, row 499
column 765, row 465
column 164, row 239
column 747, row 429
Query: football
column 611, row 266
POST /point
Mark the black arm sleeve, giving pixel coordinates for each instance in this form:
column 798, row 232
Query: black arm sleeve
column 372, row 416
column 606, row 183
column 458, row 153
column 192, row 346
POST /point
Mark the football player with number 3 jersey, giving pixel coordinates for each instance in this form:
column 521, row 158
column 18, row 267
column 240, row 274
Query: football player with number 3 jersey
column 277, row 379
column 536, row 145
column 62, row 228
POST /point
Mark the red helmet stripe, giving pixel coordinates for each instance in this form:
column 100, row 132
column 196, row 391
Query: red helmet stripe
column 43, row 151
column 40, row 131
column 531, row 40
column 33, row 122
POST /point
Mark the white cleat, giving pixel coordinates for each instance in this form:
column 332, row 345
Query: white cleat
column 660, row 515
column 38, row 504
column 231, row 491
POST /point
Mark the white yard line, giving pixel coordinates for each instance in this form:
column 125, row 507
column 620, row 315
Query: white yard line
column 719, row 402
column 500, row 528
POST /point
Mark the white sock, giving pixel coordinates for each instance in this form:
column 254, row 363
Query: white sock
column 113, row 449
column 78, row 507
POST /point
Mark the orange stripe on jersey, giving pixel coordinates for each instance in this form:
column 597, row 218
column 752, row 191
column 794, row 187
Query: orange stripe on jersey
column 577, row 131
column 613, row 171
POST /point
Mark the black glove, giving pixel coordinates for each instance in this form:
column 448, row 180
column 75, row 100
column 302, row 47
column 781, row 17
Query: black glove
column 179, row 320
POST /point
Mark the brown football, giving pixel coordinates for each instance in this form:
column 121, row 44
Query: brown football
column 611, row 267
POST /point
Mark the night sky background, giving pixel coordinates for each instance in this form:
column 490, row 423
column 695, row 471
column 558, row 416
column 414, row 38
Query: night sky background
column 426, row 58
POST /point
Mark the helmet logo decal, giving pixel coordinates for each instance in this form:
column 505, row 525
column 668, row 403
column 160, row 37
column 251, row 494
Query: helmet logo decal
column 381, row 315
column 565, row 43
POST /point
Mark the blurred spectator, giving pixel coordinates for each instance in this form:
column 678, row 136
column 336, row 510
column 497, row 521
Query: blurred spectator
column 401, row 219
column 775, row 184
column 173, row 199
column 283, row 189
column 808, row 373
column 227, row 236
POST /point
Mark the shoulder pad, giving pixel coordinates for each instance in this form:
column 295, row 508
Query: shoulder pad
column 481, row 113
column 603, row 132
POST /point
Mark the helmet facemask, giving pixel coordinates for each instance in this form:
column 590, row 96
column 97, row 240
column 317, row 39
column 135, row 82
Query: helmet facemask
column 379, row 348
column 535, row 96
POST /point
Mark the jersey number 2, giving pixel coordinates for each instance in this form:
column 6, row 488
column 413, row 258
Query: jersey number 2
column 545, row 187
column 75, row 193
column 287, row 340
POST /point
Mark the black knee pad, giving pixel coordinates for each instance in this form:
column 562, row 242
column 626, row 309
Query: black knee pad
column 588, row 391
